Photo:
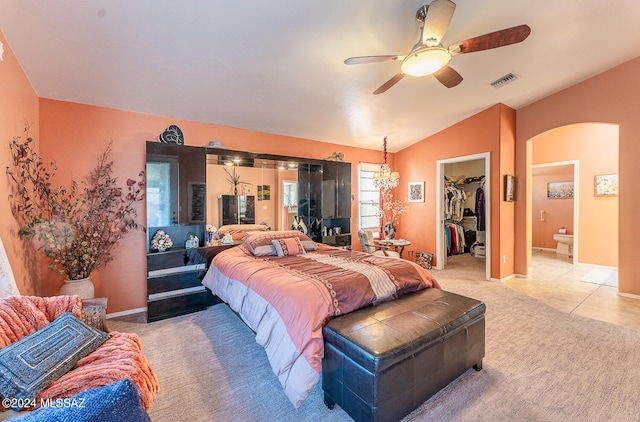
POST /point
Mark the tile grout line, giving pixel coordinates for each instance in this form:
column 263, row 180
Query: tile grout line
column 585, row 299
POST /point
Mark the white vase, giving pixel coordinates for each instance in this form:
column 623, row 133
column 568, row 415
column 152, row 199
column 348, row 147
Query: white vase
column 82, row 287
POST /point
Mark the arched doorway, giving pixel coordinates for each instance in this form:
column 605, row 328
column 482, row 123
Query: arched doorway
column 594, row 149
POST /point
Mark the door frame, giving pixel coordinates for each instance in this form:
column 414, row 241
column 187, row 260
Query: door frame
column 576, row 203
column 440, row 204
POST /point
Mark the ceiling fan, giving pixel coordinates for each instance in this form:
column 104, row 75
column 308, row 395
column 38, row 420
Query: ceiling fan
column 429, row 57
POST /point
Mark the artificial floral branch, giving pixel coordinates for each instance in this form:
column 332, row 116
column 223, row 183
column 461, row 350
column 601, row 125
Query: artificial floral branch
column 77, row 228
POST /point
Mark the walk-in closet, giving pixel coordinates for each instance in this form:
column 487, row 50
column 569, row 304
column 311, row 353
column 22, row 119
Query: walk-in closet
column 464, row 214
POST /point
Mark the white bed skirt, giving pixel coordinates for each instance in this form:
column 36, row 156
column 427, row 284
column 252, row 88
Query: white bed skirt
column 297, row 377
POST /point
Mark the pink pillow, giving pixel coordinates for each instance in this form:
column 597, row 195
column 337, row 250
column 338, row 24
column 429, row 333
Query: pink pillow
column 260, row 243
column 288, row 246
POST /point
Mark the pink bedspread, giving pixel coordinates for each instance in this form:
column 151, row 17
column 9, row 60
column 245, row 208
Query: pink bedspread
column 287, row 300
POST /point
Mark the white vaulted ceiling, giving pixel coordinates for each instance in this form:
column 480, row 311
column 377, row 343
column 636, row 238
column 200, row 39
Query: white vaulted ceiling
column 278, row 66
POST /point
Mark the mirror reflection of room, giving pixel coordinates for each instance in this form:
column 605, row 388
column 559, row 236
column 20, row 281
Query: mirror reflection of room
column 261, row 183
column 191, row 188
column 175, row 177
column 289, row 203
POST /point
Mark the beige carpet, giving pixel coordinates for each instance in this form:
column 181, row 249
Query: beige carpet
column 540, row 365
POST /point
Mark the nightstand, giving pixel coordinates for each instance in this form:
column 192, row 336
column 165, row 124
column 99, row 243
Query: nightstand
column 94, row 313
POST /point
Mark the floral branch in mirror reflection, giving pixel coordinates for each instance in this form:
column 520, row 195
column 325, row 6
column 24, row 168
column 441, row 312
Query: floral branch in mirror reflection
column 234, row 179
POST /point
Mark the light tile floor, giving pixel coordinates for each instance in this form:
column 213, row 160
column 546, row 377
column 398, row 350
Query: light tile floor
column 555, row 281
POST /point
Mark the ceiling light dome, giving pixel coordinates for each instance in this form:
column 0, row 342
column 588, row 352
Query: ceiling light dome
column 425, row 61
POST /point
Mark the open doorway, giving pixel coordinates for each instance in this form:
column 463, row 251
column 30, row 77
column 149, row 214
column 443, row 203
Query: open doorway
column 289, row 201
column 592, row 149
column 463, row 213
column 555, row 201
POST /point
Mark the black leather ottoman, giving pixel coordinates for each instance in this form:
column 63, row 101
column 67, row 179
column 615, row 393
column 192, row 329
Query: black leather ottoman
column 382, row 362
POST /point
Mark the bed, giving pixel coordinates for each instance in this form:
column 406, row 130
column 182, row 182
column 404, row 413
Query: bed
column 286, row 287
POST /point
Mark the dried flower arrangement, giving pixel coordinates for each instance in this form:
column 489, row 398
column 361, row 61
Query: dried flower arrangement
column 77, row 228
column 389, row 212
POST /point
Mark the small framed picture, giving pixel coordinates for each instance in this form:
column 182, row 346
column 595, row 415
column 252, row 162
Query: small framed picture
column 509, row 188
column 606, row 185
column 264, row 192
column 560, row 190
column 416, row 191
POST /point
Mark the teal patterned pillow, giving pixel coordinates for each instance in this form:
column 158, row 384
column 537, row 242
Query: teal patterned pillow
column 29, row 365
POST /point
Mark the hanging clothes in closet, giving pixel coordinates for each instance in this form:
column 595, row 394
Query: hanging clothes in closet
column 480, row 211
column 454, row 198
column 461, row 233
column 455, row 238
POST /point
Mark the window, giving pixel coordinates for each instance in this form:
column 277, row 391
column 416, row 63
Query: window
column 368, row 198
column 159, row 194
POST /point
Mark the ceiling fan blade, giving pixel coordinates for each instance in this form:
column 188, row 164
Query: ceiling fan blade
column 496, row 39
column 436, row 21
column 448, row 77
column 391, row 82
column 372, row 59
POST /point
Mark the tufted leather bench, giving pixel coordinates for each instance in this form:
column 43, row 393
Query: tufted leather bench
column 383, row 361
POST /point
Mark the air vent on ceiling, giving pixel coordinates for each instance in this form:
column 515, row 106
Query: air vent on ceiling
column 506, row 79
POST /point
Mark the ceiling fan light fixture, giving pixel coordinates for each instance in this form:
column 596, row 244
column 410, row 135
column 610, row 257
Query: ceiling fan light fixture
column 425, row 61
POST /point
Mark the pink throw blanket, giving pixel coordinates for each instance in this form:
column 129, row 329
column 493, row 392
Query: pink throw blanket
column 118, row 358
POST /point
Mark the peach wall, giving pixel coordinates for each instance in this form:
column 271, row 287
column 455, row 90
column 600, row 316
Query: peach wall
column 477, row 134
column 19, row 105
column 73, row 134
column 610, row 97
column 595, row 146
column 503, row 254
column 558, row 212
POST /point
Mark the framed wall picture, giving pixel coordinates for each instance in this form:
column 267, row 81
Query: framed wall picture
column 264, row 192
column 197, row 197
column 509, row 188
column 416, row 191
column 560, row 190
column 606, row 185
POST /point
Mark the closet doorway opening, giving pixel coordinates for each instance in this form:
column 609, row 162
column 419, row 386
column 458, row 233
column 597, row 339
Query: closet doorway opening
column 464, row 214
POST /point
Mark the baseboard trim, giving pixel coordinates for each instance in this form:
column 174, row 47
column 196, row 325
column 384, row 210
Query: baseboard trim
column 602, row 267
column 629, row 295
column 129, row 312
